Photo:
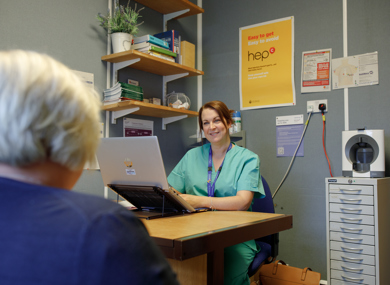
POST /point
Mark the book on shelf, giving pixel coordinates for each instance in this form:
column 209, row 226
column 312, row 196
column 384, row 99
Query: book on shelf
column 123, row 90
column 149, row 46
column 172, row 38
column 159, row 55
column 157, row 49
column 188, row 54
column 151, row 39
column 144, row 45
column 131, row 87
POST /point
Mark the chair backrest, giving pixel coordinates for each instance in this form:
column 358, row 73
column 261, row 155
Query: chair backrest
column 269, row 244
column 266, row 205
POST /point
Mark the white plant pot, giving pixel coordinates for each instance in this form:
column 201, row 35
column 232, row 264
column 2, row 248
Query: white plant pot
column 121, row 42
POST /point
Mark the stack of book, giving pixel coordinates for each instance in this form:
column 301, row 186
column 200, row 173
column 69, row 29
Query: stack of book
column 154, row 46
column 122, row 92
column 173, row 38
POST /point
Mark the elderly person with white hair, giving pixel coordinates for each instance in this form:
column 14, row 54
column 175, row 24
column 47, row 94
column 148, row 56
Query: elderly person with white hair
column 48, row 235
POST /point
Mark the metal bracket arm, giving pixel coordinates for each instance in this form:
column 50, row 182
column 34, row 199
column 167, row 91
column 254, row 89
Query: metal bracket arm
column 166, row 121
column 123, row 64
column 170, row 16
column 169, row 78
column 117, row 114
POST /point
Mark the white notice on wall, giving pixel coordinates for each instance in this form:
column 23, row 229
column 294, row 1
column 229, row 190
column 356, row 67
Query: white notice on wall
column 288, row 133
column 289, row 120
column 355, row 71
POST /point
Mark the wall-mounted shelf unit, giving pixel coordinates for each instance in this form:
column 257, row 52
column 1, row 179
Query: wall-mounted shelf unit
column 171, row 9
column 168, row 114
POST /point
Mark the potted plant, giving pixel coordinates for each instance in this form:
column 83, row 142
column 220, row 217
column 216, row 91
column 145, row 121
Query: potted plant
column 122, row 25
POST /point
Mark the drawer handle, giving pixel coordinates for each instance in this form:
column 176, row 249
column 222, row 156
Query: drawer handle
column 352, row 279
column 350, row 249
column 351, row 200
column 350, row 259
column 351, row 219
column 351, row 209
column 351, row 229
column 352, row 239
column 355, row 270
column 351, row 190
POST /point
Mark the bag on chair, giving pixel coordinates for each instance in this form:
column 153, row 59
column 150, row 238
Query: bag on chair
column 278, row 273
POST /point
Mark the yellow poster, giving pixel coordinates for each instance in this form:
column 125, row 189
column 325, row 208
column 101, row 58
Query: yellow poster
column 267, row 64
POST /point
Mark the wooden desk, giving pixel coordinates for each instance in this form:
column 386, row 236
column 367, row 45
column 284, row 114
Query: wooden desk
column 195, row 242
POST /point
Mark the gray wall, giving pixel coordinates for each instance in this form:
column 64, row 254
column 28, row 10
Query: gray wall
column 68, row 31
column 318, row 25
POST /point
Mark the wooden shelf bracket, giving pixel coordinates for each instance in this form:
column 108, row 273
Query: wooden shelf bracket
column 166, row 121
column 117, row 114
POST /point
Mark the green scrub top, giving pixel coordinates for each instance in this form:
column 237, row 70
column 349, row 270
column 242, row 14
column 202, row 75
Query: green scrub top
column 240, row 171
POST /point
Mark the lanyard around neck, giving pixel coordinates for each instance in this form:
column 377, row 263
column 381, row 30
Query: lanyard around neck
column 211, row 187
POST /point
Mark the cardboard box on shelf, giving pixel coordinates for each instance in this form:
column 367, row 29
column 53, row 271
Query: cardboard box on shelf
column 188, row 54
column 156, row 101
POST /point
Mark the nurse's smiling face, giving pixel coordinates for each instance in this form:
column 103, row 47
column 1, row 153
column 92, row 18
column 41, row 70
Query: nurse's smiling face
column 213, row 126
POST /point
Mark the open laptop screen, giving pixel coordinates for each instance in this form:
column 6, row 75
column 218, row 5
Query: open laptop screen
column 132, row 161
column 133, row 168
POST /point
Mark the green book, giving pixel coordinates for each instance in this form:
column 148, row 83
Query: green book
column 139, row 98
column 163, row 51
column 131, row 87
column 132, row 94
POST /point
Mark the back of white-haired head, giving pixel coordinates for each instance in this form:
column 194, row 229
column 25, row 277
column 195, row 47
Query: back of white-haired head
column 46, row 112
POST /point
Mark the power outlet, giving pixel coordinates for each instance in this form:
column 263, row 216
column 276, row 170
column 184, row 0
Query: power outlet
column 312, row 106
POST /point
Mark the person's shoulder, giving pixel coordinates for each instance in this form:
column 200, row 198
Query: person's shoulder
column 90, row 206
column 245, row 152
column 199, row 149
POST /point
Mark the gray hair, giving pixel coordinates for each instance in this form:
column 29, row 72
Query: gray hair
column 46, row 112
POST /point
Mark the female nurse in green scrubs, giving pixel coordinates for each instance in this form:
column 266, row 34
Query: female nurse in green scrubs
column 221, row 176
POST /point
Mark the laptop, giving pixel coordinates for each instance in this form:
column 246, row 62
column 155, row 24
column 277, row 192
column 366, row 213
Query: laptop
column 133, row 168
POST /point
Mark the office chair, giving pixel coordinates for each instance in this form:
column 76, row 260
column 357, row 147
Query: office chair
column 269, row 244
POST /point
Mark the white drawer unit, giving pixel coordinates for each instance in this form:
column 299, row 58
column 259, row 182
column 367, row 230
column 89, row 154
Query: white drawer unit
column 358, row 230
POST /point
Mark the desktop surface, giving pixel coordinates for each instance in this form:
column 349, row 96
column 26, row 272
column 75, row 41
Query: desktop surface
column 194, row 243
column 223, row 228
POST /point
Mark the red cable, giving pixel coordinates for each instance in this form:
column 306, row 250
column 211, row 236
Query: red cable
column 323, row 143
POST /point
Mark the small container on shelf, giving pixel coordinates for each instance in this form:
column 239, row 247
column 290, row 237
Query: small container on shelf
column 178, row 101
column 156, row 101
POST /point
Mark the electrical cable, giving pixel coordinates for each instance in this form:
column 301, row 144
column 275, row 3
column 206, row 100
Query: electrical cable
column 295, row 153
column 323, row 143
